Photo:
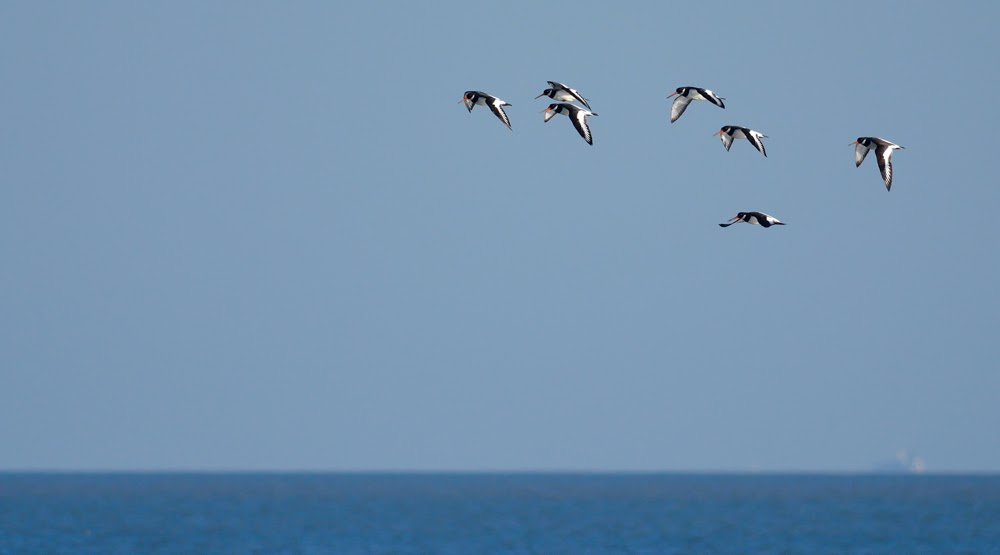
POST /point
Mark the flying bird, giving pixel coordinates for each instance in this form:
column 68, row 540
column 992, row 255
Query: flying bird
column 731, row 132
column 563, row 93
column 757, row 218
column 471, row 98
column 883, row 152
column 686, row 94
column 576, row 114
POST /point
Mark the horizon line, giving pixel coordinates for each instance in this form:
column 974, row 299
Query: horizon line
column 498, row 472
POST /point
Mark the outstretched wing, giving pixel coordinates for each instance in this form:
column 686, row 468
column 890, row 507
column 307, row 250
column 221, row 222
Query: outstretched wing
column 580, row 122
column 860, row 151
column 755, row 139
column 579, row 97
column 712, row 97
column 727, row 140
column 497, row 107
column 884, row 155
column 677, row 109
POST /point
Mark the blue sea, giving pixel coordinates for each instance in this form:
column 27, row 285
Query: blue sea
column 466, row 514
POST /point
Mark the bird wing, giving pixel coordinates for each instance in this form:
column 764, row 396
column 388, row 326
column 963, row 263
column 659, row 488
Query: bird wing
column 580, row 122
column 711, row 97
column 754, row 138
column 860, row 151
column 885, row 165
column 497, row 107
column 727, row 140
column 677, row 108
column 579, row 97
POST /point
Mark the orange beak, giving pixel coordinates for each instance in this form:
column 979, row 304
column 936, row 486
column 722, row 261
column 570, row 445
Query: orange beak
column 464, row 99
column 719, row 132
column 673, row 94
column 854, row 143
column 539, row 96
column 734, row 218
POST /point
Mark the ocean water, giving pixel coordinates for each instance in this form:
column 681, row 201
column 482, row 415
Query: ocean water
column 466, row 514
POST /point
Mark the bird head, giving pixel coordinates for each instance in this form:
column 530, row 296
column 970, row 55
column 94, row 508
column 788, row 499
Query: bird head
column 467, row 99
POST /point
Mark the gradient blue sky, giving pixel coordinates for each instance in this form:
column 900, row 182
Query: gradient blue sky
column 256, row 235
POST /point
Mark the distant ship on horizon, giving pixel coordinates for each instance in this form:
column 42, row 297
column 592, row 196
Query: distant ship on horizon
column 904, row 464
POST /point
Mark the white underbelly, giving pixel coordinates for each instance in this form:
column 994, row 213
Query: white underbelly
column 564, row 96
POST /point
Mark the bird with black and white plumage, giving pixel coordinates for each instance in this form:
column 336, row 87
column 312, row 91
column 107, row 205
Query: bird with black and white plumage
column 756, row 218
column 562, row 93
column 576, row 114
column 684, row 97
column 883, row 154
column 472, row 98
column 731, row 132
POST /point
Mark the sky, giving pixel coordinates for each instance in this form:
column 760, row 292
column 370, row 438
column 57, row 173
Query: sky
column 267, row 236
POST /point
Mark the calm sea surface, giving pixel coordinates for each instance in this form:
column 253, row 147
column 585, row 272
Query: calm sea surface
column 498, row 513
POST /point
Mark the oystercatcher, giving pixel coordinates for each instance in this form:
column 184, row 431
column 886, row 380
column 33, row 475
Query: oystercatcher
column 564, row 93
column 883, row 150
column 686, row 94
column 578, row 116
column 757, row 218
column 471, row 98
column 730, row 132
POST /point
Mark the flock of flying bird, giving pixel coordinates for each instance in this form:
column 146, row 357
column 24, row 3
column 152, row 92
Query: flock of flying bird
column 578, row 115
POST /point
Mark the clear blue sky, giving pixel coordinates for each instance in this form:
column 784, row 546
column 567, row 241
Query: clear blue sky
column 256, row 235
